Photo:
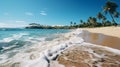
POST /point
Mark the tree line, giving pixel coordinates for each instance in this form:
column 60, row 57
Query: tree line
column 110, row 8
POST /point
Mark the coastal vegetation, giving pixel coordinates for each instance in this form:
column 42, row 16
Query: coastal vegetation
column 101, row 20
column 38, row 26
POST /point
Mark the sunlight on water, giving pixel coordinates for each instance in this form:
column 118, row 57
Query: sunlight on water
column 17, row 39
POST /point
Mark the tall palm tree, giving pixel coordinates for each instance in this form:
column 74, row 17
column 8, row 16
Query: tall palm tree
column 71, row 23
column 74, row 23
column 110, row 7
column 92, row 21
column 103, row 20
column 81, row 21
column 99, row 15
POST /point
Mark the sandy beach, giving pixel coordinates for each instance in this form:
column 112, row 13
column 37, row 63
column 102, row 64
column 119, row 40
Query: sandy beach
column 106, row 36
column 110, row 31
column 78, row 48
column 86, row 55
column 98, row 54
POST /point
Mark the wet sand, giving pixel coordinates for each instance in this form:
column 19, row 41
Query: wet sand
column 101, row 39
column 96, row 55
column 86, row 55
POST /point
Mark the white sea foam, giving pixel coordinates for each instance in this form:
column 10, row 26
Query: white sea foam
column 13, row 37
column 41, row 54
column 9, row 47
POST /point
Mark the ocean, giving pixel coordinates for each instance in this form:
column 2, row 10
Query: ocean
column 43, row 47
column 15, row 40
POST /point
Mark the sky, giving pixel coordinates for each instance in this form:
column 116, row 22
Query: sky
column 19, row 13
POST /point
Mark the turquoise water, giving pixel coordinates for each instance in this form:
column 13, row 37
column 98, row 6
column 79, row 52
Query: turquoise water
column 16, row 38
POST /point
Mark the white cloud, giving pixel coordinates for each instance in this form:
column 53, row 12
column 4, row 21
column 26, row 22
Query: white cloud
column 29, row 14
column 19, row 21
column 43, row 13
column 15, row 24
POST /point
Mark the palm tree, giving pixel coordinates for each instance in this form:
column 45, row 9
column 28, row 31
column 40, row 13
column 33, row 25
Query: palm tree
column 116, row 14
column 81, row 21
column 110, row 7
column 74, row 23
column 103, row 20
column 92, row 21
column 107, row 23
column 71, row 23
column 99, row 15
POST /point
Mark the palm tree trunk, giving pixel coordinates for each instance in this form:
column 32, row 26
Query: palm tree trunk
column 112, row 17
column 115, row 24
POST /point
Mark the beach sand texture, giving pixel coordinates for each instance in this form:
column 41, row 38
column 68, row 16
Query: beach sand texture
column 110, row 31
column 86, row 55
column 99, row 54
column 101, row 39
column 78, row 48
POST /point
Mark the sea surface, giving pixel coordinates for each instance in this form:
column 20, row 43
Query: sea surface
column 40, row 47
column 14, row 40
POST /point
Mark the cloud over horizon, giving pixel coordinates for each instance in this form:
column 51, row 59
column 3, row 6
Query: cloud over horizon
column 43, row 13
column 13, row 24
column 19, row 21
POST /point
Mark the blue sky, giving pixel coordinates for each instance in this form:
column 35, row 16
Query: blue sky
column 18, row 13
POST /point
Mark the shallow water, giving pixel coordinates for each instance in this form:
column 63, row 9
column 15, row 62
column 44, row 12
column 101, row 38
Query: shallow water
column 13, row 40
column 37, row 52
column 101, row 39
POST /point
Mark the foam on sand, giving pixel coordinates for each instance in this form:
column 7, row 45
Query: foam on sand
column 45, row 53
column 89, row 55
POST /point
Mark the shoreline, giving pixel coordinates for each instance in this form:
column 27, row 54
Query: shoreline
column 87, row 54
column 69, row 49
column 101, row 39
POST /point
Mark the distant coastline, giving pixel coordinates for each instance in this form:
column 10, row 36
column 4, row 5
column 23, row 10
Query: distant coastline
column 38, row 26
